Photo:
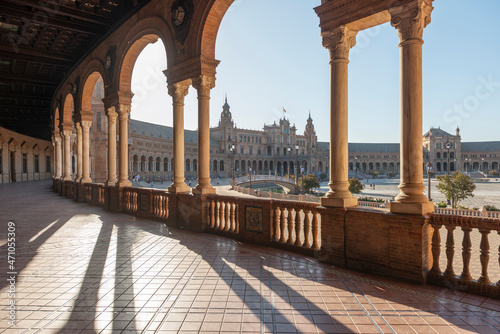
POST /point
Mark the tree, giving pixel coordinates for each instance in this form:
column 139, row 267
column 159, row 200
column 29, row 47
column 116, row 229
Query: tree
column 308, row 182
column 355, row 186
column 456, row 187
column 374, row 174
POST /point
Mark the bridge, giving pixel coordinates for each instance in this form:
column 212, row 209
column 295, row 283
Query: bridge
column 288, row 184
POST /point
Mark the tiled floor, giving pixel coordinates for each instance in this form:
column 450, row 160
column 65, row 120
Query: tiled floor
column 84, row 270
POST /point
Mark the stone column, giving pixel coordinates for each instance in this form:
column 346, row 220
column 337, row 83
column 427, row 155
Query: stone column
column 123, row 111
column 86, row 152
column 66, row 136
column 57, row 156
column 339, row 42
column 79, row 158
column 112, row 115
column 178, row 91
column 203, row 85
column 5, row 162
column 410, row 21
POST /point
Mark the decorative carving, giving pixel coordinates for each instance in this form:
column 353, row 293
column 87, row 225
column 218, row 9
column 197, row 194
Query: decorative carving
column 178, row 91
column 204, row 84
column 339, row 42
column 111, row 114
column 123, row 111
column 411, row 19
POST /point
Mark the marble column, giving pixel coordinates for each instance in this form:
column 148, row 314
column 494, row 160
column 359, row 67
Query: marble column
column 124, row 112
column 79, row 149
column 339, row 42
column 203, row 85
column 178, row 91
column 66, row 136
column 86, row 152
column 112, row 115
column 410, row 21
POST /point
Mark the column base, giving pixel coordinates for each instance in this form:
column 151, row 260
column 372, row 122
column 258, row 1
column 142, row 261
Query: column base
column 86, row 180
column 124, row 183
column 204, row 191
column 110, row 183
column 412, row 208
column 67, row 178
column 339, row 202
column 179, row 189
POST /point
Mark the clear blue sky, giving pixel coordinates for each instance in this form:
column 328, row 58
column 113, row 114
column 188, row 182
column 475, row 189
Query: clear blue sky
column 271, row 57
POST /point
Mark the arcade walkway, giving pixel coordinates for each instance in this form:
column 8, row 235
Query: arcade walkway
column 85, row 270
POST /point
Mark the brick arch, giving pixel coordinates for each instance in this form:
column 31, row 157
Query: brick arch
column 56, row 121
column 144, row 32
column 93, row 71
column 210, row 26
column 68, row 107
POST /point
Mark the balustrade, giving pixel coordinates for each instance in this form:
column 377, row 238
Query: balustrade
column 223, row 214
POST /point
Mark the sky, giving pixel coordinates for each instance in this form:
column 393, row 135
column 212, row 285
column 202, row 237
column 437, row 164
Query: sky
column 272, row 58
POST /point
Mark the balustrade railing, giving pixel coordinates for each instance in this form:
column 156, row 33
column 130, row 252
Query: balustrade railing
column 473, row 234
column 296, row 223
column 223, row 214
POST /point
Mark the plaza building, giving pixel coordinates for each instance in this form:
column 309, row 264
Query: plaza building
column 274, row 150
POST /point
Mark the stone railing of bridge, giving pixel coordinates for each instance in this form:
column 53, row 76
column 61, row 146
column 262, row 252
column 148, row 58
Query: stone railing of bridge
column 369, row 239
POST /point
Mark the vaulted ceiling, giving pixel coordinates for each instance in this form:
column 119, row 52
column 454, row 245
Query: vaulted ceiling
column 40, row 41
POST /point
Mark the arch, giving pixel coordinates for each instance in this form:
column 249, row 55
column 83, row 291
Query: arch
column 158, row 164
column 445, row 166
column 165, row 164
column 214, row 166
column 211, row 26
column 150, row 164
column 452, row 155
column 438, row 155
column 278, row 167
column 320, row 167
column 68, row 109
column 57, row 121
column 266, row 166
column 260, row 166
column 143, row 163
column 292, row 167
column 494, row 165
column 188, row 165
column 285, row 167
column 438, row 166
column 243, row 169
column 254, row 166
column 144, row 32
column 445, row 155
column 221, row 165
column 135, row 164
column 452, row 166
column 195, row 165
column 384, row 166
column 93, row 72
column 236, row 165
column 271, row 166
column 370, row 165
column 391, row 166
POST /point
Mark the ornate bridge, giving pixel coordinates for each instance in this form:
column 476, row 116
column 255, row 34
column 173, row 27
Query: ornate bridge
column 286, row 183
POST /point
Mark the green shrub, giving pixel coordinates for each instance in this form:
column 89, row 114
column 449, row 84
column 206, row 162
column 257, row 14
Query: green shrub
column 442, row 204
column 494, row 173
column 371, row 199
column 491, row 208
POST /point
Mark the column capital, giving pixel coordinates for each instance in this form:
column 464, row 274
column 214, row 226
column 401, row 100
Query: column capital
column 78, row 127
column 204, row 84
column 111, row 114
column 86, row 125
column 123, row 111
column 178, row 91
column 339, row 41
column 411, row 19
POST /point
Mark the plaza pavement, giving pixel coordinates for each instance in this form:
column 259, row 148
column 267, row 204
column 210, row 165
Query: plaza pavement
column 81, row 269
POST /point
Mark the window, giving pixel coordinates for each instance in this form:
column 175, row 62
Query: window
column 37, row 168
column 242, row 149
column 47, row 164
column 241, row 139
column 98, row 118
column 25, row 163
column 250, row 149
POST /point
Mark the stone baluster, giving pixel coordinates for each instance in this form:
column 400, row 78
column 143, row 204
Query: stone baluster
column 315, row 230
column 276, row 223
column 212, row 214
column 466, row 254
column 221, row 215
column 282, row 225
column 290, row 226
column 216, row 215
column 298, row 228
column 233, row 215
column 498, row 283
column 307, row 229
column 228, row 222
column 436, row 249
column 450, row 251
column 485, row 256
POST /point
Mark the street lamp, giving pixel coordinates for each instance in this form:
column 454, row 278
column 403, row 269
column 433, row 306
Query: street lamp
column 448, row 146
column 297, row 166
column 429, row 174
column 233, row 151
column 288, row 165
column 356, row 166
